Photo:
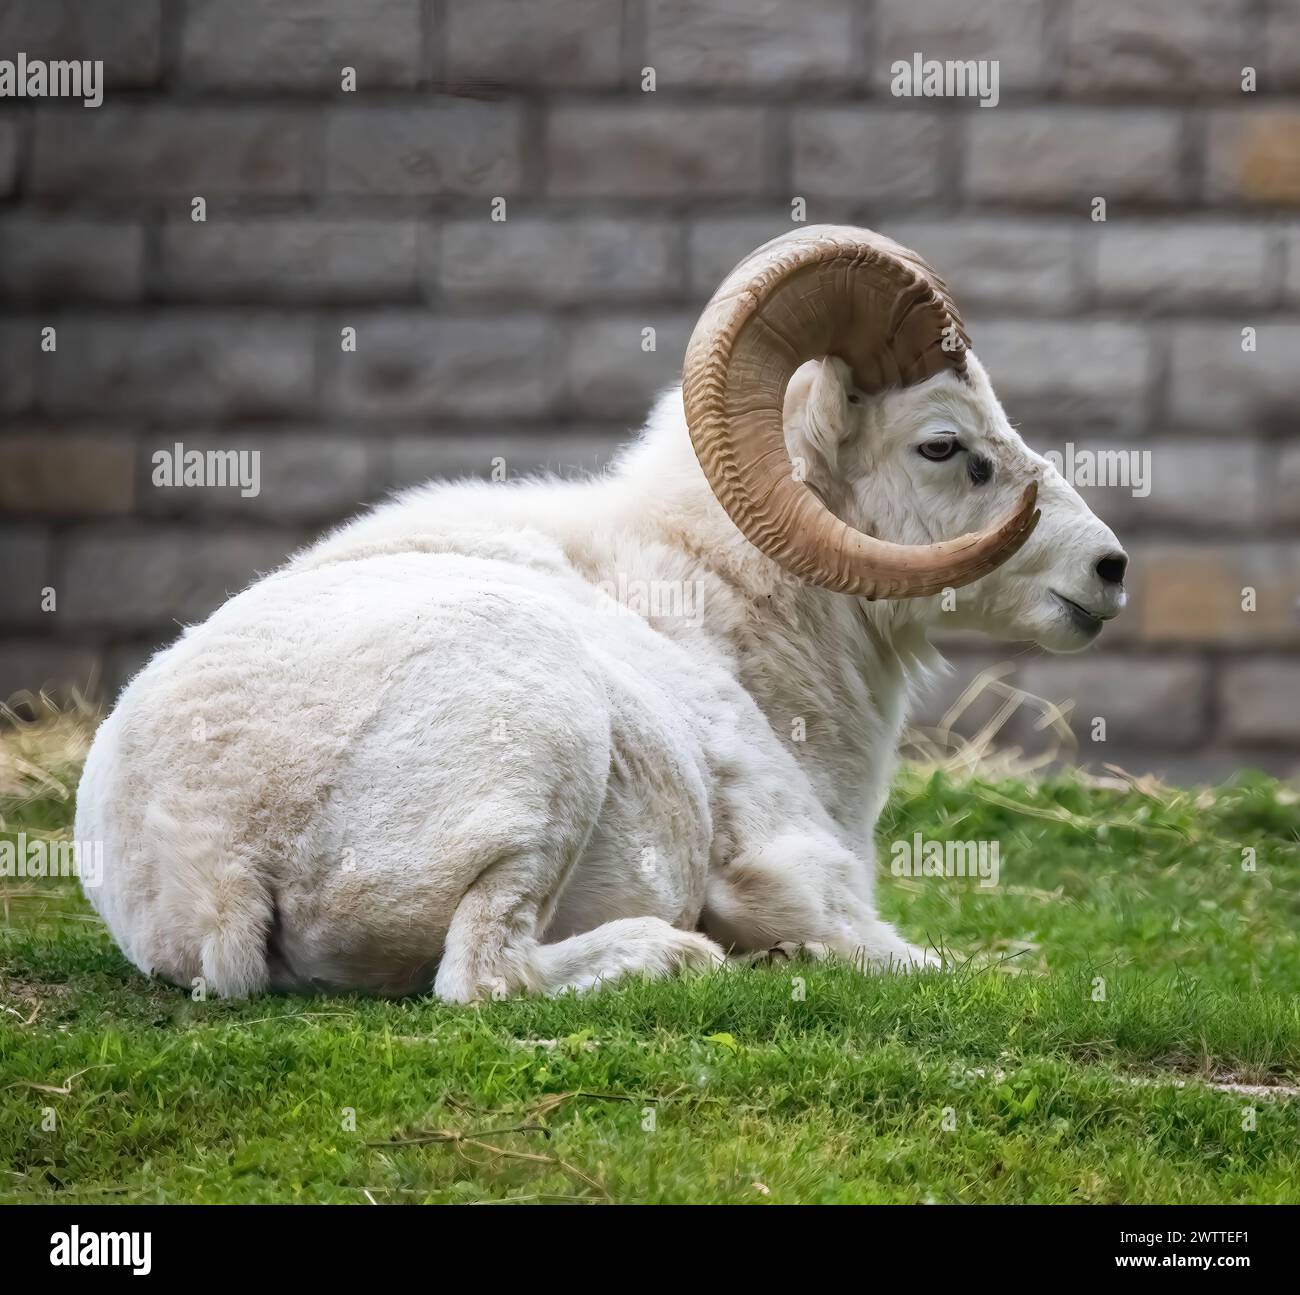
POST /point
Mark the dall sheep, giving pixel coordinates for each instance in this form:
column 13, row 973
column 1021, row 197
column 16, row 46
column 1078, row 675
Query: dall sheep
column 532, row 737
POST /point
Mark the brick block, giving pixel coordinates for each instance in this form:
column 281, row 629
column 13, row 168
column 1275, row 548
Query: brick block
column 552, row 260
column 9, row 139
column 1011, row 31
column 748, row 44
column 410, row 364
column 1192, row 593
column 26, row 558
column 45, row 475
column 609, row 373
column 181, row 363
column 873, row 154
column 1196, row 484
column 451, row 148
column 570, row 44
column 1067, row 373
column 1164, row 265
column 1062, row 156
column 170, row 152
column 38, row 665
column 1145, row 701
column 716, row 244
column 1208, row 766
column 642, row 150
column 125, row 35
column 1159, row 46
column 234, row 44
column 152, row 580
column 297, row 476
column 1283, row 481
column 290, row 258
column 999, row 263
column 20, row 361
column 1214, row 383
column 1253, row 156
column 1279, row 63
column 1290, row 237
column 1260, row 701
column 48, row 257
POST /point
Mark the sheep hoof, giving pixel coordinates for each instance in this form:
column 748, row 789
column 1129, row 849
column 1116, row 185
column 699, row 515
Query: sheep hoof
column 783, row 951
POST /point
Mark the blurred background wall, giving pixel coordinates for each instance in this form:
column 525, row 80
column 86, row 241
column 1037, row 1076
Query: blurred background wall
column 522, row 339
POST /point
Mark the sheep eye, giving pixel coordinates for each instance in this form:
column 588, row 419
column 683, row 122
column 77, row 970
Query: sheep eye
column 938, row 449
column 855, row 400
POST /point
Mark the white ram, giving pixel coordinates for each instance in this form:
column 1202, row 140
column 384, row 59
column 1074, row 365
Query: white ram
column 531, row 737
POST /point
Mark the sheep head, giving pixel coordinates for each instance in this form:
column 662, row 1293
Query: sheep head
column 846, row 427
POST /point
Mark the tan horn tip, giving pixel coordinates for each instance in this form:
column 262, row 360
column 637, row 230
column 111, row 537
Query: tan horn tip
column 1017, row 528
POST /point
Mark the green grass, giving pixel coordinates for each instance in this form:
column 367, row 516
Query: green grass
column 795, row 1082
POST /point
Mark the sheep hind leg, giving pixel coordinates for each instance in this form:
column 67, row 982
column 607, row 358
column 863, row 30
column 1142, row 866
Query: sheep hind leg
column 492, row 949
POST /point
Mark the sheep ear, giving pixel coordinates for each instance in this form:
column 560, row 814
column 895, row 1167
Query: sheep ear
column 817, row 412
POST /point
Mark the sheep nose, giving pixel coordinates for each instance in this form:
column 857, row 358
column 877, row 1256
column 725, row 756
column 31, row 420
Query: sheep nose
column 1111, row 568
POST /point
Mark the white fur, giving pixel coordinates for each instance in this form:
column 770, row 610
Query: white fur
column 433, row 750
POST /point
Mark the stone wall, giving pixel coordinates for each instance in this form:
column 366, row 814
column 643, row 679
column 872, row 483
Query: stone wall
column 522, row 338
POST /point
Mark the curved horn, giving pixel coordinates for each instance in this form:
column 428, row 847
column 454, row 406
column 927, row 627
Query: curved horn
column 825, row 290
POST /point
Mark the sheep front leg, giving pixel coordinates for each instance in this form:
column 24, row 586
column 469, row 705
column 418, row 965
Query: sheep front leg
column 804, row 893
column 891, row 953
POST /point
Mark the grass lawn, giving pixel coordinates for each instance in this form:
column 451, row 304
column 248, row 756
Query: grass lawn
column 1010, row 1079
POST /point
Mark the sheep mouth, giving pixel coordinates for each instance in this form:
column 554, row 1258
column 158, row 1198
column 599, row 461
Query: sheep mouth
column 1089, row 621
